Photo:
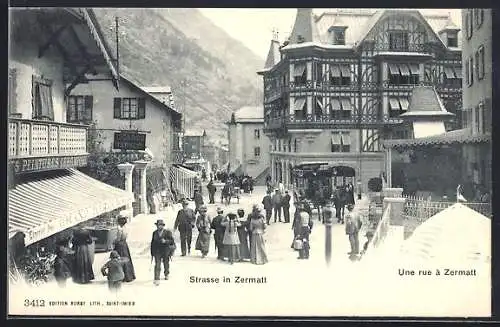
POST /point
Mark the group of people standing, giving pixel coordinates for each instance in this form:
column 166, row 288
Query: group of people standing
column 75, row 257
column 236, row 238
column 278, row 202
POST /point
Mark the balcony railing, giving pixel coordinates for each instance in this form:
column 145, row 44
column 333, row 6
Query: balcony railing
column 325, row 121
column 35, row 138
column 177, row 156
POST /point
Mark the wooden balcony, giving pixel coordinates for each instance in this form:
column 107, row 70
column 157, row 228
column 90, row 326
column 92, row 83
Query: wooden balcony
column 329, row 121
column 36, row 145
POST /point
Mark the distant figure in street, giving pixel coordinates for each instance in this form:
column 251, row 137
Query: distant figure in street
column 63, row 264
column 257, row 229
column 113, row 269
column 162, row 249
column 185, row 222
column 268, row 206
column 243, row 235
column 83, row 272
column 211, row 191
column 231, row 240
column 198, row 201
column 285, row 203
column 305, row 230
column 250, row 184
column 204, row 231
column 219, row 230
column 352, row 227
column 281, row 187
column 350, row 194
column 203, row 174
column 121, row 246
column 296, row 227
column 277, row 205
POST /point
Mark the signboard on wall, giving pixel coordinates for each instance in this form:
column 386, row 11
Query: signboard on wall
column 129, row 141
column 27, row 165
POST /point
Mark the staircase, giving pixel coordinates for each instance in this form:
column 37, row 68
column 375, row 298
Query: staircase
column 261, row 178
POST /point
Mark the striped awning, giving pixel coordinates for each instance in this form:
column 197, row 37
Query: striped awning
column 55, row 201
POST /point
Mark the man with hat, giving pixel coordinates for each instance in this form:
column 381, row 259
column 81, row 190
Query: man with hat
column 352, row 227
column 162, row 248
column 285, row 201
column 185, row 223
column 219, row 230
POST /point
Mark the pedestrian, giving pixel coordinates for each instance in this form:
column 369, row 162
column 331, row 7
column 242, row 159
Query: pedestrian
column 296, row 226
column 337, row 200
column 82, row 272
column 268, row 206
column 306, row 225
column 219, row 230
column 121, row 246
column 350, row 194
column 231, row 240
column 277, row 205
column 211, row 191
column 198, row 201
column 185, row 223
column 114, row 270
column 285, row 203
column 352, row 226
column 257, row 228
column 63, row 262
column 203, row 174
column 204, row 231
column 281, row 187
column 162, row 249
column 243, row 235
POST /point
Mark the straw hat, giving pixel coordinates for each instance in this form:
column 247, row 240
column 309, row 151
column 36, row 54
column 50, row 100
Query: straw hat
column 160, row 222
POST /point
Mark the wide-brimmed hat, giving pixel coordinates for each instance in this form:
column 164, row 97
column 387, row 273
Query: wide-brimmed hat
column 219, row 210
column 185, row 202
column 160, row 222
column 114, row 255
column 121, row 218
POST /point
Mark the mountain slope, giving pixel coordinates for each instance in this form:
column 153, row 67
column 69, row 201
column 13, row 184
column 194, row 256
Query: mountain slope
column 160, row 47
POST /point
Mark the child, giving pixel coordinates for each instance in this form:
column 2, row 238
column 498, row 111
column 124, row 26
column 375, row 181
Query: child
column 113, row 269
column 62, row 264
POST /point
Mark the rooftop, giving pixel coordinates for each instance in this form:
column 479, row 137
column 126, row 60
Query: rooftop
column 157, row 89
column 425, row 101
column 249, row 113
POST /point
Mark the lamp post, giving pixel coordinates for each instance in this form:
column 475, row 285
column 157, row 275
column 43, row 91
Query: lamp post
column 328, row 217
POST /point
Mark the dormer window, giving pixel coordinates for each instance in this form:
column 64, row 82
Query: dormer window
column 338, row 34
column 452, row 39
column 398, row 41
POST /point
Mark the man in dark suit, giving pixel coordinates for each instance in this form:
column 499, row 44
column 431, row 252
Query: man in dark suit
column 162, row 248
column 185, row 223
column 268, row 206
column 285, row 201
column 219, row 233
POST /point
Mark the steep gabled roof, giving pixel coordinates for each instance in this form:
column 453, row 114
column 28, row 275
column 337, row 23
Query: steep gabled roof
column 273, row 56
column 249, row 113
column 304, row 28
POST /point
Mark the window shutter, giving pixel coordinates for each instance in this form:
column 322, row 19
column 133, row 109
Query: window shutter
column 117, row 107
column 12, row 90
column 89, row 104
column 142, row 108
column 68, row 109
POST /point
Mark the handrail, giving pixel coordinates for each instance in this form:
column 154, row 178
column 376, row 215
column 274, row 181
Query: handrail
column 46, row 122
column 381, row 230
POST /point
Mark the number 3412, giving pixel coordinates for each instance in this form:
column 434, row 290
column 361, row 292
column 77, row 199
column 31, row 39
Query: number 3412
column 34, row 303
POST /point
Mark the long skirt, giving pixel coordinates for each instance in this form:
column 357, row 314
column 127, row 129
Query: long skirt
column 128, row 267
column 258, row 254
column 232, row 252
column 244, row 248
column 83, row 272
column 203, row 242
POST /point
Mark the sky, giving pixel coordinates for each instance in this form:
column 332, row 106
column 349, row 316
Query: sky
column 253, row 27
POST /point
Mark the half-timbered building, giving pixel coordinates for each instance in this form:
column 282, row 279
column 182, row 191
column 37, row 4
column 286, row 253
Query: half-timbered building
column 337, row 87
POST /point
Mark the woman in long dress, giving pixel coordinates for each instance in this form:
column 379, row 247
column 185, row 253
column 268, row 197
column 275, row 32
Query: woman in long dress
column 121, row 246
column 257, row 226
column 231, row 241
column 243, row 236
column 83, row 272
column 204, row 231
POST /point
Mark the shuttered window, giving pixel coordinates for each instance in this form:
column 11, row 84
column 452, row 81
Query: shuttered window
column 129, row 108
column 43, row 108
column 79, row 109
column 12, row 100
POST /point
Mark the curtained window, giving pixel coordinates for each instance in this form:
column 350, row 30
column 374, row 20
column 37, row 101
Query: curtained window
column 42, row 99
column 129, row 108
column 300, row 108
column 398, row 41
column 300, row 74
column 79, row 109
column 340, row 75
column 403, row 74
column 319, row 106
column 398, row 105
column 340, row 142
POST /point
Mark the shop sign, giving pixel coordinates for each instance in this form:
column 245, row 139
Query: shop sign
column 47, row 163
column 129, row 141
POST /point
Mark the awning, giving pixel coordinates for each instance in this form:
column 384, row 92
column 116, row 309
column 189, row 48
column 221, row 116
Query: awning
column 346, row 104
column 335, row 138
column 299, row 69
column 449, row 72
column 458, row 72
column 404, row 103
column 405, row 71
column 335, row 71
column 394, row 103
column 299, row 103
column 335, row 104
column 346, row 138
column 58, row 200
column 414, row 69
column 345, row 70
column 319, row 101
column 428, row 128
column 393, row 69
column 458, row 136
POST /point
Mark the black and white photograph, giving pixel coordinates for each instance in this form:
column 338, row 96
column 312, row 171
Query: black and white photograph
column 245, row 162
